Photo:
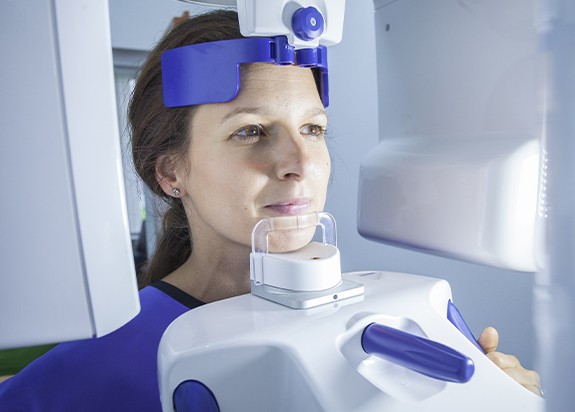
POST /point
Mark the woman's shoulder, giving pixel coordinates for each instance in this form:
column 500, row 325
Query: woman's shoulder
column 122, row 362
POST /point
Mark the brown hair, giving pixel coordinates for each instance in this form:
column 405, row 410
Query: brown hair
column 159, row 131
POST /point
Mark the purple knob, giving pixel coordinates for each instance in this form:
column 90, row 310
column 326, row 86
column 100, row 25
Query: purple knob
column 307, row 23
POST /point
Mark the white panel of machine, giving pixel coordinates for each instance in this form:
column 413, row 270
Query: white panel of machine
column 458, row 68
column 456, row 172
column 96, row 161
column 39, row 233
column 473, row 199
column 67, row 269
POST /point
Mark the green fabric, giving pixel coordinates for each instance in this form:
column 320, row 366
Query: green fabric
column 13, row 360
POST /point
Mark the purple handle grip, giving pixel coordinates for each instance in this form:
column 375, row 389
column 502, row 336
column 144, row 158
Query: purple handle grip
column 421, row 355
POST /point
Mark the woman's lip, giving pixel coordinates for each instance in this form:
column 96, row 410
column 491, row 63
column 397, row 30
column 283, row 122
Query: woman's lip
column 290, row 207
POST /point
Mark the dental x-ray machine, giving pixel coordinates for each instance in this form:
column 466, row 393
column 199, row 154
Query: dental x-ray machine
column 310, row 338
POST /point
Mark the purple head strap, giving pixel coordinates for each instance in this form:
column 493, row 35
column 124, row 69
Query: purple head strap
column 210, row 72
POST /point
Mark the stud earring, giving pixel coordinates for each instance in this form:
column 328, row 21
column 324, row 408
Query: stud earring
column 176, row 192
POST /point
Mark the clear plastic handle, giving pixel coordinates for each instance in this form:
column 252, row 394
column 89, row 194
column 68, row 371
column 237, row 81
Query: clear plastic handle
column 264, row 227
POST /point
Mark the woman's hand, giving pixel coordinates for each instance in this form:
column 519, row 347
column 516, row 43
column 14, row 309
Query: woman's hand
column 489, row 340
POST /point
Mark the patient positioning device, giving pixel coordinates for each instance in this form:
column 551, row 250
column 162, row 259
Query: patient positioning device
column 308, row 277
column 287, row 34
column 210, row 72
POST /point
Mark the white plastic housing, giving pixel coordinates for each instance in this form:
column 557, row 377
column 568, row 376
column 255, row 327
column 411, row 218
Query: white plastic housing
column 311, row 268
column 473, row 199
column 460, row 91
column 67, row 266
column 273, row 18
column 256, row 355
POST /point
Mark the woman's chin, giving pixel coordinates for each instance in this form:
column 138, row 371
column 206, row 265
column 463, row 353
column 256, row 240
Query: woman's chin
column 289, row 240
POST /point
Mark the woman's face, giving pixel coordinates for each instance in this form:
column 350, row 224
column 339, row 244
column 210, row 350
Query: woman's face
column 261, row 155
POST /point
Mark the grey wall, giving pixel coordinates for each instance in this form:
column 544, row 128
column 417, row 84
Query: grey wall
column 485, row 296
column 139, row 24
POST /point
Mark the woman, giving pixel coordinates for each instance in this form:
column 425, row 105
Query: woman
column 221, row 168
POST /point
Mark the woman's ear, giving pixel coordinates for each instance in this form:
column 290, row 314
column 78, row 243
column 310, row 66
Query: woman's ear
column 166, row 176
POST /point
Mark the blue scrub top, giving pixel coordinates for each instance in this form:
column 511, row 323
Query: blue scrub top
column 117, row 372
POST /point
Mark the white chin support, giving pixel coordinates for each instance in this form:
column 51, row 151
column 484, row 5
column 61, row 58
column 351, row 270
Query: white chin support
column 304, row 278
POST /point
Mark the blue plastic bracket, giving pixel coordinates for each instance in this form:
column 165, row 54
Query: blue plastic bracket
column 210, row 72
column 194, row 396
column 455, row 317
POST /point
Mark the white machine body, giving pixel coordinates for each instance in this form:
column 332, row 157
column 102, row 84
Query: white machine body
column 265, row 18
column 473, row 199
column 273, row 17
column 67, row 265
column 257, row 355
column 461, row 113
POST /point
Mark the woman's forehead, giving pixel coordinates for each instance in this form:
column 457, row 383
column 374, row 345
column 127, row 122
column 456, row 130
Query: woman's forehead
column 274, row 78
column 273, row 70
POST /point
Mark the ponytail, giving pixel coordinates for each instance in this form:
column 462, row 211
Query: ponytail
column 173, row 246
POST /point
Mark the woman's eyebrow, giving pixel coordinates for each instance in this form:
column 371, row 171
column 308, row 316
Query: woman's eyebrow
column 317, row 112
column 262, row 112
column 244, row 110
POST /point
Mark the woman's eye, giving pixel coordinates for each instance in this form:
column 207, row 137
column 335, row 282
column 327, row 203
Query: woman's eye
column 313, row 130
column 250, row 133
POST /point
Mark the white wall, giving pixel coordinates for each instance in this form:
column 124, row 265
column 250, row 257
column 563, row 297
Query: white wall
column 484, row 295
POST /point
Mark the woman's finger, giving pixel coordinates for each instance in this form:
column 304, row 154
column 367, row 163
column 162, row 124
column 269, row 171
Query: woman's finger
column 489, row 339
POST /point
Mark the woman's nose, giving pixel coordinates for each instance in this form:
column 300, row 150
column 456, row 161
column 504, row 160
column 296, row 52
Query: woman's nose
column 292, row 156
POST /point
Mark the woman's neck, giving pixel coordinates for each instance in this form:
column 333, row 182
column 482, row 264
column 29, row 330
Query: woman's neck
column 212, row 274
